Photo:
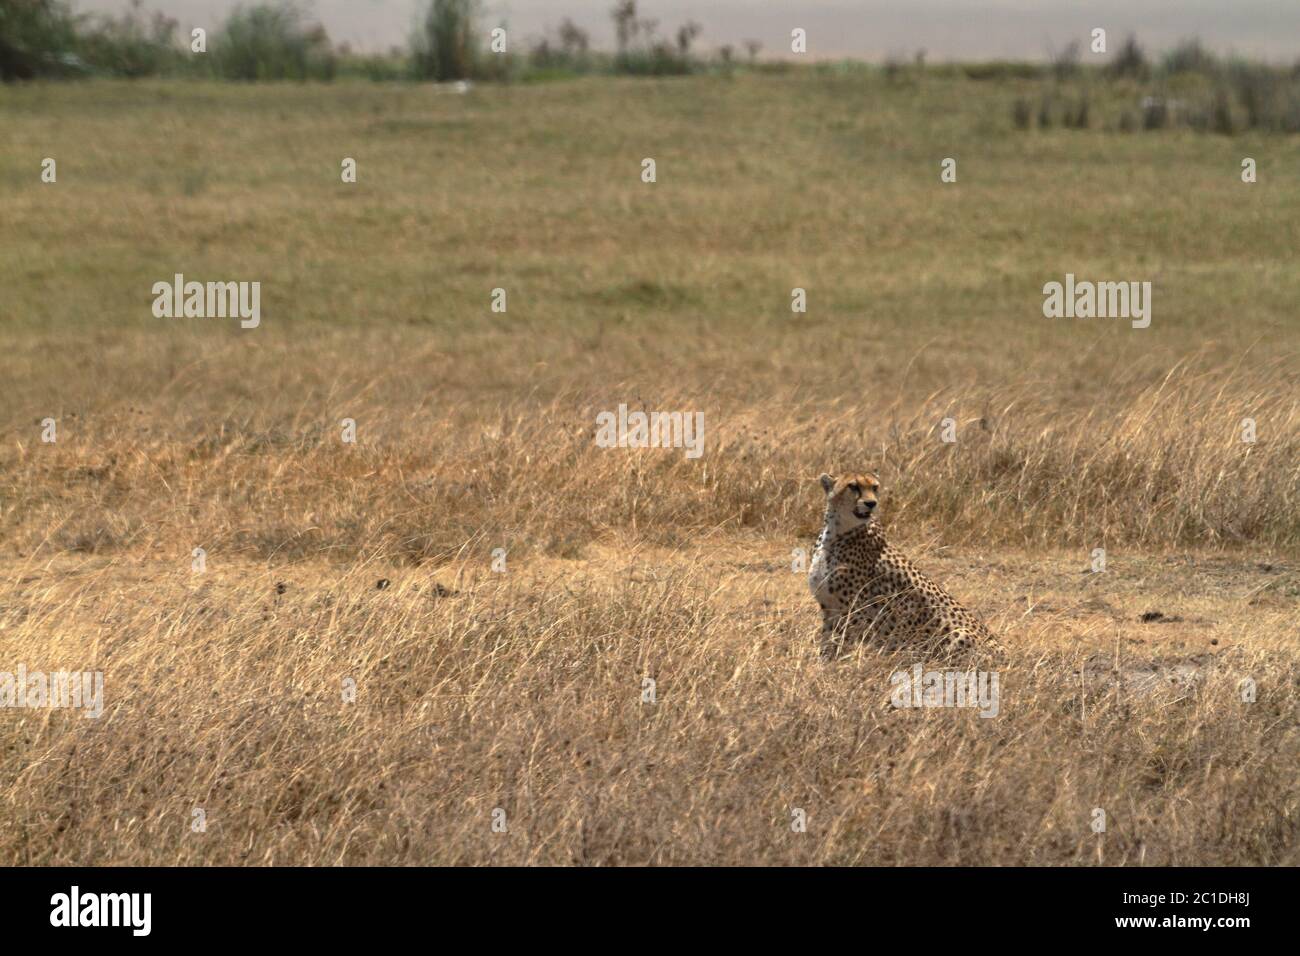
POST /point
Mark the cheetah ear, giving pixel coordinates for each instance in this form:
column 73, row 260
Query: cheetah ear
column 827, row 483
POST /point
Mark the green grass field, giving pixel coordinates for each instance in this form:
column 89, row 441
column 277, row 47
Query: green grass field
column 475, row 432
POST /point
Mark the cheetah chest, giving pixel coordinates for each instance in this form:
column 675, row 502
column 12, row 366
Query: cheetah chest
column 838, row 576
column 819, row 571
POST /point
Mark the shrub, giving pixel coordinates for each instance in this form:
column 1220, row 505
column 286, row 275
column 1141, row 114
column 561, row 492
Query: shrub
column 1130, row 61
column 1002, row 70
column 1065, row 64
column 1079, row 117
column 378, row 67
column 1045, row 112
column 1022, row 114
column 569, row 51
column 445, row 48
column 894, row 68
column 1263, row 93
column 272, row 41
column 1155, row 113
column 131, row 45
column 574, row 44
column 641, row 52
column 1190, row 57
column 1221, row 116
column 37, row 38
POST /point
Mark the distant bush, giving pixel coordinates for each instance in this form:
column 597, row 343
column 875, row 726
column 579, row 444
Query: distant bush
column 272, row 41
column 1190, row 57
column 726, row 58
column 37, row 38
column 380, row 67
column 1022, row 114
column 1268, row 96
column 567, row 52
column 1131, row 60
column 1079, row 117
column 1045, row 113
column 641, row 52
column 1252, row 96
column 1065, row 64
column 445, row 47
column 131, row 45
column 894, row 68
column 1191, row 88
column 1002, row 70
column 1155, row 113
column 1220, row 115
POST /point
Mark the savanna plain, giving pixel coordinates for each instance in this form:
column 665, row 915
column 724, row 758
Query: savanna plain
column 390, row 640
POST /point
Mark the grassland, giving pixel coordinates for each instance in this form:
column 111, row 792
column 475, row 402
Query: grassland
column 521, row 690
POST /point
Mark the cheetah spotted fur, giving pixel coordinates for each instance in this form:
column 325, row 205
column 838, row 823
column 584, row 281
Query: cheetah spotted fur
column 869, row 591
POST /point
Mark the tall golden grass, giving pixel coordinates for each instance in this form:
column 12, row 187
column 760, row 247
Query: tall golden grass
column 1152, row 466
column 525, row 693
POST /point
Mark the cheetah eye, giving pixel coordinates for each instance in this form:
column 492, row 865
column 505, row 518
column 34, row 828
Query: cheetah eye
column 857, row 490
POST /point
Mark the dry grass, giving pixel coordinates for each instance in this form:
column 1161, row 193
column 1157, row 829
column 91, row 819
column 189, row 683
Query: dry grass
column 1147, row 466
column 522, row 690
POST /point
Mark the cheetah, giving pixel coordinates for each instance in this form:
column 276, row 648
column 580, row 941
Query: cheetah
column 869, row 591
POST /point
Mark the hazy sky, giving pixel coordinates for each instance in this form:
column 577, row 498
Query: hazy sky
column 872, row 29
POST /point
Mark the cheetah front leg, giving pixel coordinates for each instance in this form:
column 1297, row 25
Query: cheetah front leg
column 833, row 634
column 966, row 642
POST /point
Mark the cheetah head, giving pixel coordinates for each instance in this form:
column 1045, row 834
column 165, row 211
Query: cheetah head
column 852, row 498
